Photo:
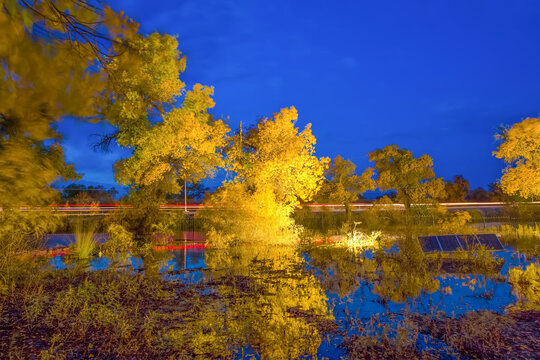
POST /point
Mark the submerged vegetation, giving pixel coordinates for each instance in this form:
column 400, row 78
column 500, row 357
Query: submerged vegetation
column 525, row 238
column 239, row 307
column 526, row 285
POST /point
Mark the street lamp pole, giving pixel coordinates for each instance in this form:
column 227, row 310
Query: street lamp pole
column 185, row 194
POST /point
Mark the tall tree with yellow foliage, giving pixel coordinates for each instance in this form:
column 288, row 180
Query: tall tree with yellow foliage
column 53, row 64
column 45, row 76
column 520, row 150
column 274, row 168
column 76, row 58
column 283, row 159
column 343, row 185
column 412, row 178
column 65, row 58
column 172, row 137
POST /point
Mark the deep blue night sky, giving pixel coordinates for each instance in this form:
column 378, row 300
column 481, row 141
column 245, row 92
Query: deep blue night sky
column 435, row 77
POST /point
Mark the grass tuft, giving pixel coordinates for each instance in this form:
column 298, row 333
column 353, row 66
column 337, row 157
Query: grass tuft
column 84, row 240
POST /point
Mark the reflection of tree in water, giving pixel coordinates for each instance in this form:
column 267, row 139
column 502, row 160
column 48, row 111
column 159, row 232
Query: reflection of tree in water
column 342, row 272
column 393, row 277
column 526, row 287
column 406, row 275
column 154, row 261
column 188, row 258
column 398, row 282
column 269, row 301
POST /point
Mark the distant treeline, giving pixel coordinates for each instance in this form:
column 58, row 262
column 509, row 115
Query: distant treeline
column 458, row 190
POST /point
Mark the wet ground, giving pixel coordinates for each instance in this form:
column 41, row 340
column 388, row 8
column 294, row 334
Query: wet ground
column 332, row 303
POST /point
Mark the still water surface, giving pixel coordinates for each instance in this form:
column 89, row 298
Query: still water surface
column 298, row 292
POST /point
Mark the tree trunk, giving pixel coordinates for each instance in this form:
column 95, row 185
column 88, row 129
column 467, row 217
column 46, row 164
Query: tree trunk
column 348, row 212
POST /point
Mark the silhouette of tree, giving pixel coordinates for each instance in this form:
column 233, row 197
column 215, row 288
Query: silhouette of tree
column 456, row 191
column 82, row 194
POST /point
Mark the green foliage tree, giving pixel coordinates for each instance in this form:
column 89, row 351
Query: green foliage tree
column 412, row 178
column 343, row 185
column 520, row 150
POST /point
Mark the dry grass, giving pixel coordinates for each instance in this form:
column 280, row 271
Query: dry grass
column 488, row 335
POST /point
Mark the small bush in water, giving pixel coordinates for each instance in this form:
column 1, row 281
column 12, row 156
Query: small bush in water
column 526, row 285
column 357, row 241
column 119, row 243
column 524, row 237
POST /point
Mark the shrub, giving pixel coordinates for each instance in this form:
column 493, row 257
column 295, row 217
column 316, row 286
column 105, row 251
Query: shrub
column 357, row 241
column 19, row 232
column 455, row 223
column 119, row 243
column 524, row 237
column 243, row 217
column 526, row 284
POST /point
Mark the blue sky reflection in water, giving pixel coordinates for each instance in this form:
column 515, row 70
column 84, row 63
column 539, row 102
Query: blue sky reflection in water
column 468, row 292
column 435, row 77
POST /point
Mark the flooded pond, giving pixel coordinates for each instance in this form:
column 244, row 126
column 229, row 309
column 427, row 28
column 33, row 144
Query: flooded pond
column 327, row 302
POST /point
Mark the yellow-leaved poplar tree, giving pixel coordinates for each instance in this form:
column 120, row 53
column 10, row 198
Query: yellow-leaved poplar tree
column 185, row 145
column 275, row 168
column 173, row 138
column 71, row 58
column 343, row 185
column 520, row 150
column 54, row 56
column 412, row 178
column 43, row 80
column 283, row 159
column 59, row 58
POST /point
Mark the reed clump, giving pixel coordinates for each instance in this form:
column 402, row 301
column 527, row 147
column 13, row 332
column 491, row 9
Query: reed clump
column 85, row 244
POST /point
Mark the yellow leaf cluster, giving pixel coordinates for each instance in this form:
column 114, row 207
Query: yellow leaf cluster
column 252, row 217
column 143, row 82
column 521, row 151
column 526, row 285
column 342, row 185
column 173, row 142
column 185, row 145
column 283, row 159
column 42, row 81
